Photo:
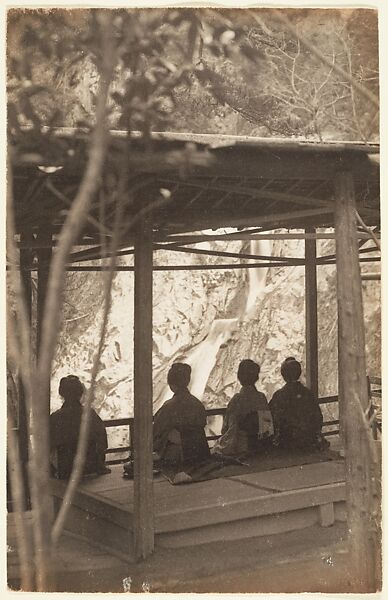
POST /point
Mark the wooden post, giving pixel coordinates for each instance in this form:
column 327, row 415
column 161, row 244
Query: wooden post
column 44, row 256
column 360, row 471
column 143, row 518
column 311, row 313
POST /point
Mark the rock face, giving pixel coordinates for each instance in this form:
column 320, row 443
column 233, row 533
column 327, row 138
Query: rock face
column 210, row 319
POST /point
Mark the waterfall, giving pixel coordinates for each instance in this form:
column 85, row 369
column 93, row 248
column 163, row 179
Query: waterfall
column 202, row 358
column 257, row 277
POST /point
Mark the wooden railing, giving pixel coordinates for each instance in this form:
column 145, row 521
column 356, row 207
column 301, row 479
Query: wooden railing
column 375, row 391
column 211, row 412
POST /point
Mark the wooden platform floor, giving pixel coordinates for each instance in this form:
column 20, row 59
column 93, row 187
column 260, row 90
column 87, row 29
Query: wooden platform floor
column 215, row 492
column 228, row 508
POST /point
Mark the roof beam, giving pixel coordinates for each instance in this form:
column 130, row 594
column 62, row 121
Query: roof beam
column 196, row 239
column 215, row 267
column 279, row 220
column 260, row 194
column 200, row 251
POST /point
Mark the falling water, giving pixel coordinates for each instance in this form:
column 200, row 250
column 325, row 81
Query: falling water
column 257, row 277
column 202, row 358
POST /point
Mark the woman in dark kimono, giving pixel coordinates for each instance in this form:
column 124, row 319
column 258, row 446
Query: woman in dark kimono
column 179, row 434
column 64, row 432
column 295, row 411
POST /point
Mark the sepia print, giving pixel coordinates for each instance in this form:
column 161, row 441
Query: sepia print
column 193, row 300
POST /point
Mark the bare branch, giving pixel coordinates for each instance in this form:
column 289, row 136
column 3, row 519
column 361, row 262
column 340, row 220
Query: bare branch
column 371, row 124
column 23, row 533
column 295, row 58
column 80, row 205
column 50, row 186
column 41, row 378
column 328, row 104
column 278, row 14
column 80, row 456
column 327, row 78
column 20, row 333
column 368, row 230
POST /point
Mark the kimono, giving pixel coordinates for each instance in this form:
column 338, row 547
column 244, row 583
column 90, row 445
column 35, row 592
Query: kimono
column 179, row 434
column 247, row 422
column 296, row 415
column 64, row 431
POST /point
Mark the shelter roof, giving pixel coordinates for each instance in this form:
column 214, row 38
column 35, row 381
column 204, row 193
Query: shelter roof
column 196, row 181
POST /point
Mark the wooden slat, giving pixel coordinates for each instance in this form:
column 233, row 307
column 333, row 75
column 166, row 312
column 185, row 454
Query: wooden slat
column 116, row 450
column 328, row 400
column 117, row 422
column 215, row 411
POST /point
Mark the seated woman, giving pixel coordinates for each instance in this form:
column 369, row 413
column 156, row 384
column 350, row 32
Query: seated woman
column 247, row 421
column 295, row 411
column 64, row 432
column 179, row 434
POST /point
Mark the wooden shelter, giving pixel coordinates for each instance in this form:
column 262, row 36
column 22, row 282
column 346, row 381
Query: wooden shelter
column 202, row 182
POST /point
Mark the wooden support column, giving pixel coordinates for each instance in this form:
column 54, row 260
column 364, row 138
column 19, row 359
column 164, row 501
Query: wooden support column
column 44, row 257
column 311, row 313
column 360, row 470
column 143, row 518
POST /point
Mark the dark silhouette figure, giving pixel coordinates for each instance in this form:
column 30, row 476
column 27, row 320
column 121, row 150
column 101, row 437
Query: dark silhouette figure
column 179, row 435
column 64, row 432
column 247, row 421
column 296, row 414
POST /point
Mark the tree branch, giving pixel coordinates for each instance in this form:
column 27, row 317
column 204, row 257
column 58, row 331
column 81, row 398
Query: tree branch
column 83, row 438
column 51, row 187
column 369, row 231
column 52, row 314
column 319, row 55
column 23, row 534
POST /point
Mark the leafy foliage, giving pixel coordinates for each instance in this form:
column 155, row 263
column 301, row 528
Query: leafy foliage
column 205, row 70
